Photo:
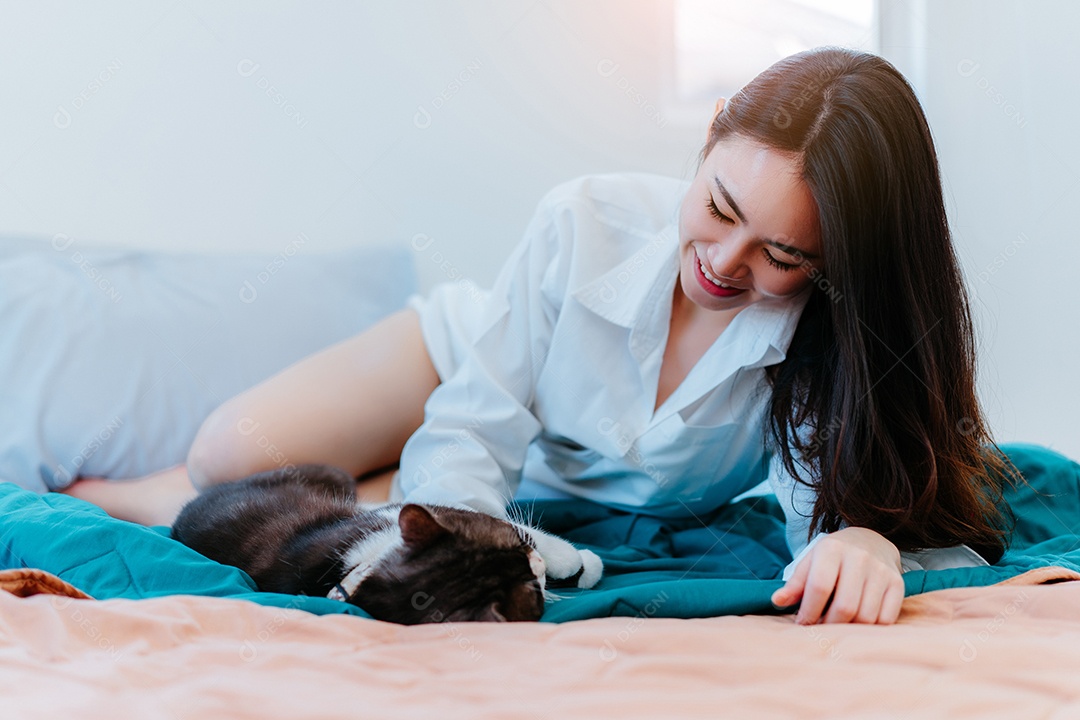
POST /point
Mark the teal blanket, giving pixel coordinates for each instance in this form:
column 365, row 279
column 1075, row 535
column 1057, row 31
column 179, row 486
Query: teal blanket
column 726, row 563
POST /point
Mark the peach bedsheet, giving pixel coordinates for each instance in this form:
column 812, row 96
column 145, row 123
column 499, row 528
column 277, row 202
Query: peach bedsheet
column 1010, row 650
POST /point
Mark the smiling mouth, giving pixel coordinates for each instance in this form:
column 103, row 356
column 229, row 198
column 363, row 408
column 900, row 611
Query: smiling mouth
column 711, row 278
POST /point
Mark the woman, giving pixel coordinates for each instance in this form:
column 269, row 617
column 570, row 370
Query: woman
column 652, row 343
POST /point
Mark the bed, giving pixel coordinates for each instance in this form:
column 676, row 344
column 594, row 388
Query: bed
column 103, row 618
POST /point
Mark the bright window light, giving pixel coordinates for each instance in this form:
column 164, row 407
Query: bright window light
column 720, row 45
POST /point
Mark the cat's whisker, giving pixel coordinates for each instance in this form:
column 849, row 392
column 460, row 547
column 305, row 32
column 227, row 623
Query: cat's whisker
column 552, row 596
column 516, row 513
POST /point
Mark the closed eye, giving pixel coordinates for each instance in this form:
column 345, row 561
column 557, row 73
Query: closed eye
column 776, row 263
column 715, row 212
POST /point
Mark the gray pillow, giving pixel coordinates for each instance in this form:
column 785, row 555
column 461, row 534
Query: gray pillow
column 111, row 358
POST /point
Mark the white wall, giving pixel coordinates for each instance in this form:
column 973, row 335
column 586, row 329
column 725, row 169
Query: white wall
column 999, row 87
column 154, row 124
column 204, row 125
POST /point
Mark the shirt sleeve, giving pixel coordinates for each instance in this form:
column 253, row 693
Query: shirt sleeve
column 477, row 427
column 797, row 501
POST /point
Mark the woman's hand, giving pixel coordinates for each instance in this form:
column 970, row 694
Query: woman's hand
column 859, row 568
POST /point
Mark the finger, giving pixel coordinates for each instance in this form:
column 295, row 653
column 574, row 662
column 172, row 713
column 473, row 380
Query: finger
column 872, row 597
column 790, row 593
column 892, row 603
column 850, row 591
column 820, row 583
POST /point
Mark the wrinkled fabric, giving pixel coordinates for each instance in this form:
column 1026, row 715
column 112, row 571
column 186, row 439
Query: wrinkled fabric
column 728, row 562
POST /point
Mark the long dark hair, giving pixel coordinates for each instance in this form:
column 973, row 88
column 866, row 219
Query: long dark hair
column 881, row 367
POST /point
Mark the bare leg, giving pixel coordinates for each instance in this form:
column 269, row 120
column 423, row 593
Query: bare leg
column 158, row 498
column 353, row 404
column 150, row 500
column 375, row 487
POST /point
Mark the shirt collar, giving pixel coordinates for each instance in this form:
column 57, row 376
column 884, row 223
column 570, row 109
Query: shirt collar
column 623, row 292
column 776, row 320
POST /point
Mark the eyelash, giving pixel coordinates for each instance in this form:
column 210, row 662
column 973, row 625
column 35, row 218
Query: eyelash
column 715, row 212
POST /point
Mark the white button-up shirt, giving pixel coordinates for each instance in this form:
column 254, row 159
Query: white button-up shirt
column 557, row 379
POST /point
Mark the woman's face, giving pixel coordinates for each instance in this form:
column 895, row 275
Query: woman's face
column 748, row 221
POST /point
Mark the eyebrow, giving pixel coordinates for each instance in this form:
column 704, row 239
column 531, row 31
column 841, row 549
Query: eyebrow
column 789, row 249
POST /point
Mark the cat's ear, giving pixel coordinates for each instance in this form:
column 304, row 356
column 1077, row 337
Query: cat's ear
column 419, row 528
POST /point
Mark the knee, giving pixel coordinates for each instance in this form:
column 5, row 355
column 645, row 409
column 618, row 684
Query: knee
column 217, row 453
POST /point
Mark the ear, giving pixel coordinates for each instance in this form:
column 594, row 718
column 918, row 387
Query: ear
column 419, row 528
column 719, row 109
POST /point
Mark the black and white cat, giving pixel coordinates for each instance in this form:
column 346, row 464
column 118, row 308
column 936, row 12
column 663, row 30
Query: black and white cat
column 301, row 531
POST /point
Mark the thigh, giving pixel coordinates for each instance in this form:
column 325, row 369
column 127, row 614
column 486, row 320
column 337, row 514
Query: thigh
column 353, row 404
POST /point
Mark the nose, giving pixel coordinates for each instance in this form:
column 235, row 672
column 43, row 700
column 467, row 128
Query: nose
column 725, row 261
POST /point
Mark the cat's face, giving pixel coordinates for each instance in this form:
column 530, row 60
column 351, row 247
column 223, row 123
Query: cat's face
column 455, row 566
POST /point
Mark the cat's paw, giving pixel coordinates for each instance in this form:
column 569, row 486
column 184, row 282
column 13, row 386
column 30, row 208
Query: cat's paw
column 566, row 565
column 592, row 568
